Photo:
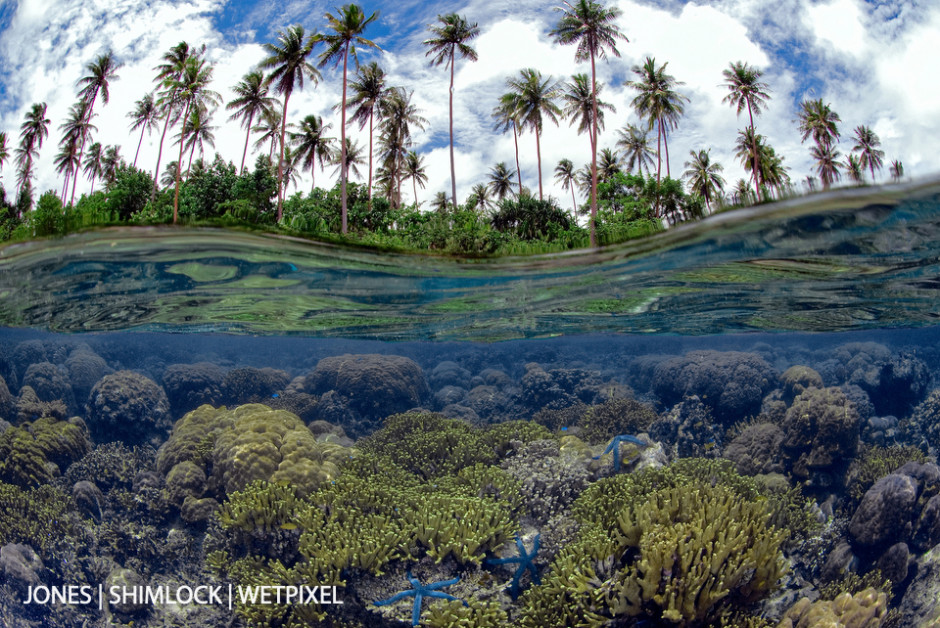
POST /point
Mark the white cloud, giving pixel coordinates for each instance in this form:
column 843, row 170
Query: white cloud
column 838, row 23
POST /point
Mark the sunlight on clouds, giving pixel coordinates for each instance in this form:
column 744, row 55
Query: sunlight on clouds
column 840, row 24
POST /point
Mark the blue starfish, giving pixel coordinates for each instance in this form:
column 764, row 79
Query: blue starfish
column 614, row 446
column 421, row 591
column 526, row 562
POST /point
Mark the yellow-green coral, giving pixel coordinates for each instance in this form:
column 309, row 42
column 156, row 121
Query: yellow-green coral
column 501, row 435
column 34, row 453
column 475, row 614
column 671, row 544
column 430, row 444
column 873, row 463
column 259, row 506
column 866, row 609
column 602, row 422
column 37, row 517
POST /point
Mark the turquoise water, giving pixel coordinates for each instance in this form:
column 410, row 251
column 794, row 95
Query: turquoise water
column 195, row 407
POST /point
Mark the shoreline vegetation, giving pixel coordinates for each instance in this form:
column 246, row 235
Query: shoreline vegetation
column 625, row 193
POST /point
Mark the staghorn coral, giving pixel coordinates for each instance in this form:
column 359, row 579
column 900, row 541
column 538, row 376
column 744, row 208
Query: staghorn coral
column 674, row 544
column 429, row 444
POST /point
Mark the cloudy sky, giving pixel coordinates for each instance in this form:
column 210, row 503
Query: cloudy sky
column 877, row 62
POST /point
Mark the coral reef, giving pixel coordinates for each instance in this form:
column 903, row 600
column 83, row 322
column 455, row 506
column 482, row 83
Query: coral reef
column 50, row 384
column 756, row 450
column 253, row 385
column 731, row 383
column 820, row 437
column 128, row 406
column 189, row 386
column 35, row 453
column 866, row 609
column 85, row 368
column 372, row 385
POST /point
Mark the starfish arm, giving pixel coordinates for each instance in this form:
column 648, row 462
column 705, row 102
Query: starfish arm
column 441, row 595
column 416, row 610
column 442, row 584
column 394, row 598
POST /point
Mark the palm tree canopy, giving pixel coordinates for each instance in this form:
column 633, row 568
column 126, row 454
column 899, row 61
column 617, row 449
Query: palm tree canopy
column 251, row 98
column 565, row 173
column 589, row 25
column 368, row 88
column 101, row 72
column 415, row 168
column 287, row 60
column 827, row 163
column 354, row 158
column 703, row 176
column 78, row 122
column 866, row 145
column 579, row 106
column 35, row 127
column 657, row 99
column 535, row 98
column 745, row 88
column 608, row 165
column 501, row 177
column 92, row 165
column 819, row 121
column 4, row 150
column 854, row 169
column 269, row 126
column 451, row 37
column 144, row 113
column 310, row 144
column 635, row 144
column 348, row 25
column 197, row 129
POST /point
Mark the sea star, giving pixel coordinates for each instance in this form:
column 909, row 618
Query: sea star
column 421, row 591
column 526, row 562
column 615, row 447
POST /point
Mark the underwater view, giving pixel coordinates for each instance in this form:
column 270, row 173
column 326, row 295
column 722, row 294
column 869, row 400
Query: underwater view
column 731, row 424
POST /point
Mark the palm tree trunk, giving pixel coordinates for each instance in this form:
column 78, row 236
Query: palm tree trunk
column 189, row 166
column 137, row 154
column 574, row 203
column 179, row 166
column 65, row 189
column 414, row 183
column 91, row 106
column 156, row 174
column 666, row 148
column 247, row 139
column 754, row 149
column 871, row 165
column 593, row 136
column 92, row 186
column 370, row 158
column 515, row 137
column 342, row 141
column 453, row 172
column 538, row 156
column 280, row 161
column 659, row 149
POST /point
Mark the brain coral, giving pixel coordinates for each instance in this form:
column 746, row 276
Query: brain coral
column 127, row 406
column 820, row 436
column 252, row 442
column 375, row 386
column 731, row 383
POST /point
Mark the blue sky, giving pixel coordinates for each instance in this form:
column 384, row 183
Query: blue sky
column 875, row 62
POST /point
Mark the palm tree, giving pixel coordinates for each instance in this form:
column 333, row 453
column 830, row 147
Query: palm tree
column 415, row 170
column 351, row 157
column 854, row 169
column 742, row 192
column 192, row 92
column 634, row 143
column 311, row 145
column 866, row 145
column 348, row 27
column 439, row 203
column 4, row 150
column 288, row 63
column 565, row 175
column 66, row 162
column 110, row 162
column 32, row 132
column 270, row 129
column 144, row 117
column 75, row 127
column 579, row 100
column 819, row 121
column 896, row 170
column 501, row 180
column 745, row 89
column 398, row 116
column 291, row 171
column 169, row 175
column 168, row 76
column 827, row 164
column 368, row 89
column 480, row 197
column 658, row 101
column 703, row 176
column 609, row 165
column 450, row 37
column 198, row 132
column 102, row 71
column 251, row 99
column 590, row 26
column 505, row 115
column 535, row 99
column 772, row 171
column 92, row 166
